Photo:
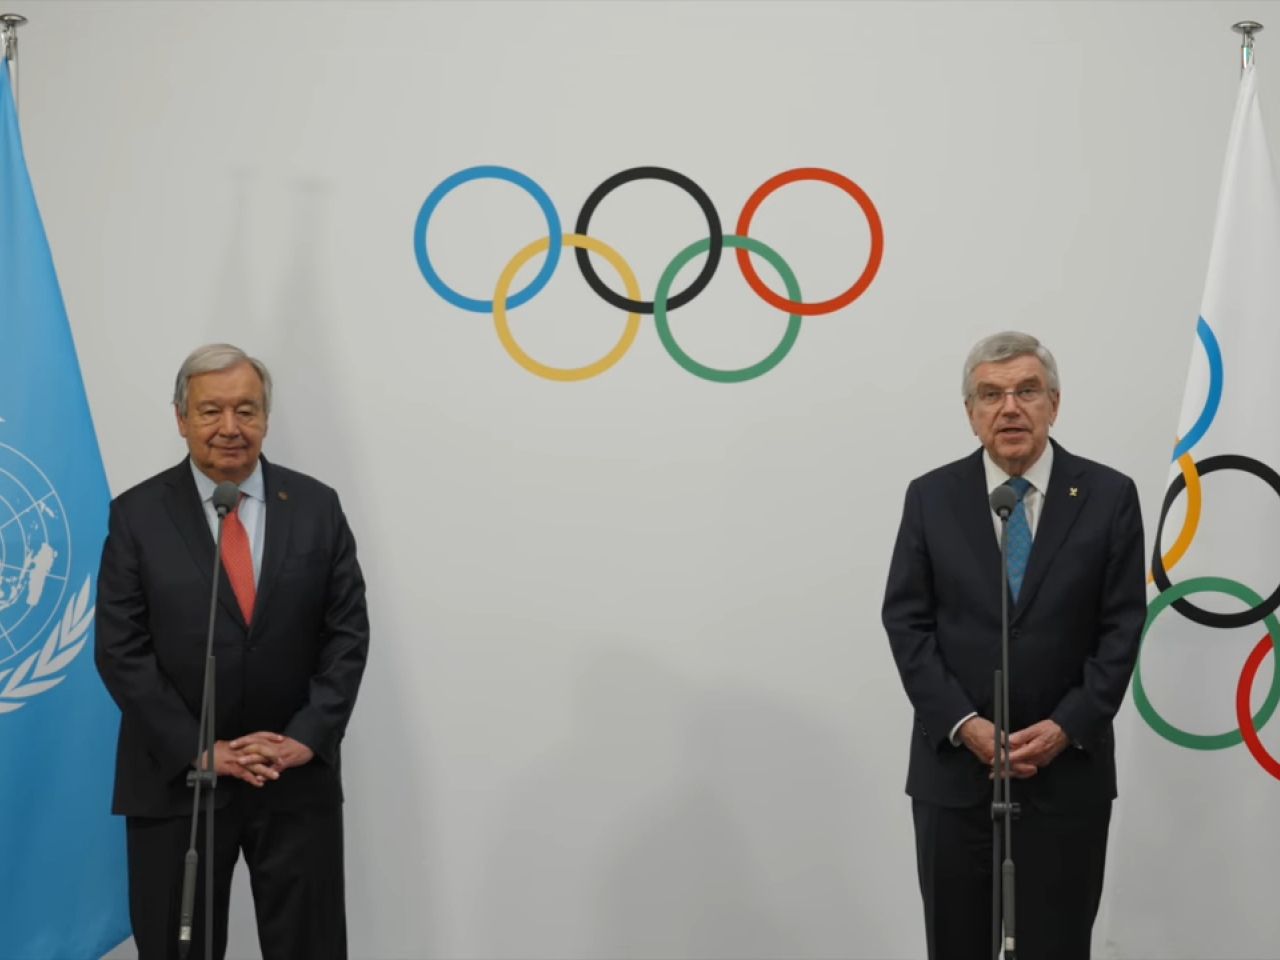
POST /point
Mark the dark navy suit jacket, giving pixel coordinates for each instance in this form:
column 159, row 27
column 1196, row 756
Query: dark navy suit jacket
column 296, row 671
column 1074, row 631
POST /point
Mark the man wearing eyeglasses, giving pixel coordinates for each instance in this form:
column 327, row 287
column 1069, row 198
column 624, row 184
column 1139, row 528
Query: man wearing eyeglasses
column 1077, row 604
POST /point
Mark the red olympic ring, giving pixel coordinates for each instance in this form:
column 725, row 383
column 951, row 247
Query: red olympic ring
column 1244, row 694
column 873, row 258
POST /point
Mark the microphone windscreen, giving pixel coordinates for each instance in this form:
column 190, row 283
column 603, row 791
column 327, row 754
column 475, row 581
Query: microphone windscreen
column 1003, row 500
column 225, row 497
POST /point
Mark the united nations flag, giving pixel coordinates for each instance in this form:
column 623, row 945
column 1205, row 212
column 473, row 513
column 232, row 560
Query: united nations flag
column 63, row 889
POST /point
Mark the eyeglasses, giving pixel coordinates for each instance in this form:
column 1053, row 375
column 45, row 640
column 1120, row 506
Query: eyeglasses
column 994, row 398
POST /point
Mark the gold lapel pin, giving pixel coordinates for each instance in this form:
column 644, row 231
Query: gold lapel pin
column 1074, row 491
column 284, row 496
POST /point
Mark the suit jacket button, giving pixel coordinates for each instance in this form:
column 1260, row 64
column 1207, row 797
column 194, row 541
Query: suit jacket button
column 1015, row 632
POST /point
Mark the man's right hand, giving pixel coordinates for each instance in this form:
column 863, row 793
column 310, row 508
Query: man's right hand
column 230, row 763
column 979, row 735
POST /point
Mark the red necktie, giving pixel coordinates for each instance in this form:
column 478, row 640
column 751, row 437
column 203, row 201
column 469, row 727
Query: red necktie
column 238, row 559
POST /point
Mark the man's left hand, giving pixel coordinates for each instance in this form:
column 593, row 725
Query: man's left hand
column 1038, row 744
column 271, row 752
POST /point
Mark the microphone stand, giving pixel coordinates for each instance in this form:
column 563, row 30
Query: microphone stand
column 204, row 777
column 1003, row 810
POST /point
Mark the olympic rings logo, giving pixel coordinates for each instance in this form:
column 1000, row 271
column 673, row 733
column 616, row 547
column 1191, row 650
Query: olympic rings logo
column 664, row 301
column 1174, row 595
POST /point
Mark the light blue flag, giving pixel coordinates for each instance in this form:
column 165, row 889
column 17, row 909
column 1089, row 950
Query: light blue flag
column 63, row 885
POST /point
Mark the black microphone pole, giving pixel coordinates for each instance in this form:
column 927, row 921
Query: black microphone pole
column 1003, row 810
column 205, row 777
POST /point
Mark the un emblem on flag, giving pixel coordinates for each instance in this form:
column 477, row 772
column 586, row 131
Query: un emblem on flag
column 36, row 646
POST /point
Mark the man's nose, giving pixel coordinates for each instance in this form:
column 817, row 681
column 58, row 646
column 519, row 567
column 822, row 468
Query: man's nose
column 228, row 425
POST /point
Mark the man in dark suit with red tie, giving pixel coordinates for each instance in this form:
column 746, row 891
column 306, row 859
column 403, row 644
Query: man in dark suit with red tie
column 291, row 637
column 1077, row 605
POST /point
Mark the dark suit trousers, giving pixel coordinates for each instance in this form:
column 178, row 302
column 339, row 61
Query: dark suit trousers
column 295, row 862
column 1059, row 861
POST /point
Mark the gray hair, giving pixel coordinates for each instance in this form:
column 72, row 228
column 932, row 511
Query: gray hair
column 214, row 358
column 1005, row 346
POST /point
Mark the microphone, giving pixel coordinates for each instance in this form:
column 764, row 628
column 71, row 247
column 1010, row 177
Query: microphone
column 1003, row 500
column 225, row 497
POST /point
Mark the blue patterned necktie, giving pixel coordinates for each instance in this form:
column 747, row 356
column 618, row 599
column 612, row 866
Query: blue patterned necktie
column 1019, row 543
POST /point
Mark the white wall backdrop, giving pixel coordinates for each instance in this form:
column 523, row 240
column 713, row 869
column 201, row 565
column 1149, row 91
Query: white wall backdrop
column 629, row 695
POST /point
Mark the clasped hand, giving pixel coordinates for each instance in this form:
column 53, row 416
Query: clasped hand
column 1028, row 750
column 259, row 757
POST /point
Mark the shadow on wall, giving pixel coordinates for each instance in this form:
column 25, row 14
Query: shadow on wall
column 233, row 305
column 679, row 822
column 384, row 763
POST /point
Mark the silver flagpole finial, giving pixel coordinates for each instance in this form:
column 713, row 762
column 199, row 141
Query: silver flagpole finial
column 9, row 24
column 1246, row 29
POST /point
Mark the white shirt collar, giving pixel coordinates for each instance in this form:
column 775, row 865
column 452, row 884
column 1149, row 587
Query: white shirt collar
column 1038, row 474
column 252, row 487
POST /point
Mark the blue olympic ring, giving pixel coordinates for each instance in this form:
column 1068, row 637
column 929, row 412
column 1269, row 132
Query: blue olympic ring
column 1214, row 399
column 446, row 292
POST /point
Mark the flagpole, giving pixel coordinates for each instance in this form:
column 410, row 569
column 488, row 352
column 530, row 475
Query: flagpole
column 9, row 24
column 1246, row 29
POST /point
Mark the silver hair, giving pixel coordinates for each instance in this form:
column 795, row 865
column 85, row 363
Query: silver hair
column 1005, row 346
column 214, row 358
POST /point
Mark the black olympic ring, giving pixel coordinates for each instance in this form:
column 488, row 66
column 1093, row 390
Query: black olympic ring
column 688, row 186
column 1226, row 461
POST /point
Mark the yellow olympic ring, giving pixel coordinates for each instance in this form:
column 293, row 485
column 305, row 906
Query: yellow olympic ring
column 560, row 373
column 1191, row 522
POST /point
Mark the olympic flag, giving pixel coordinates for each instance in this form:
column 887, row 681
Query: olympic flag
column 1194, row 858
column 62, row 854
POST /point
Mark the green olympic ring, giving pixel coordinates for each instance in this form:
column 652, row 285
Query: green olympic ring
column 664, row 327
column 1199, row 741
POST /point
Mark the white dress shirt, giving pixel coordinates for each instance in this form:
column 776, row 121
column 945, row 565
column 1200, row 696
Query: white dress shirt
column 252, row 509
column 1033, row 502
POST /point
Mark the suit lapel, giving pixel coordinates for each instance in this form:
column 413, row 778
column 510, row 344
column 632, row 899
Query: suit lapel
column 972, row 508
column 277, row 521
column 1060, row 509
column 187, row 512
